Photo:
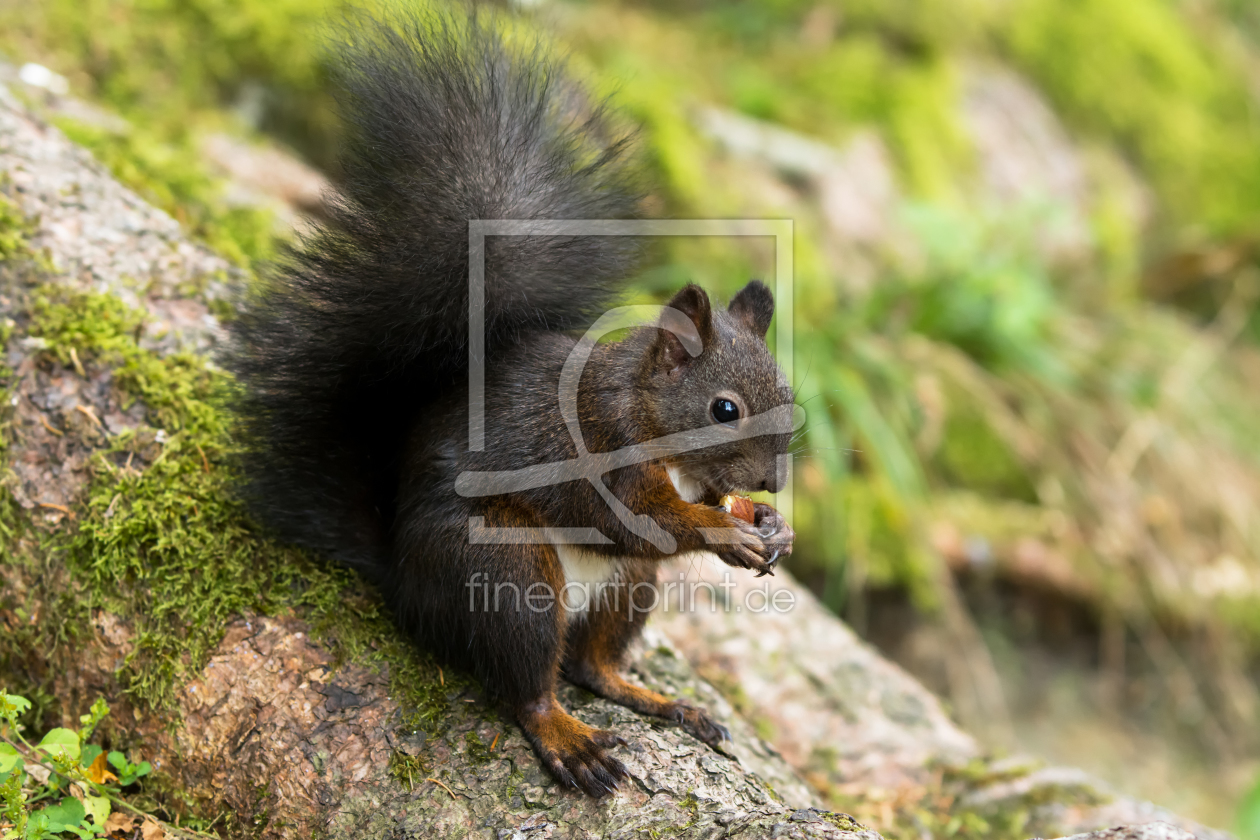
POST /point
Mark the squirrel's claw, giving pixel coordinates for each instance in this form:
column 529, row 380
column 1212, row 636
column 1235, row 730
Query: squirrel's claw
column 700, row 724
column 581, row 761
column 768, row 569
column 774, row 537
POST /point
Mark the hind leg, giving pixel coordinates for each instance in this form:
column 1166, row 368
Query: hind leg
column 576, row 754
column 490, row 613
column 596, row 649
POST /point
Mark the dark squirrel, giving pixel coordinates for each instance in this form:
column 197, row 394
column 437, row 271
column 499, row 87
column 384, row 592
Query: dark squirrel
column 354, row 362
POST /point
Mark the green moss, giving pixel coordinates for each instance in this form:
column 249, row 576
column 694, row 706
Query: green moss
column 940, row 808
column 159, row 522
column 478, row 751
column 176, row 72
column 95, row 326
column 980, row 772
column 163, row 541
column 844, row 822
column 408, row 770
column 15, row 228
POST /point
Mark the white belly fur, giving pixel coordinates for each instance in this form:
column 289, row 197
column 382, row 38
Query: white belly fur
column 585, row 567
column 586, row 571
column 688, row 488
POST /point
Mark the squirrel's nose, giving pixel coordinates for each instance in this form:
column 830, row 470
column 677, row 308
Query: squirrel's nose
column 776, row 477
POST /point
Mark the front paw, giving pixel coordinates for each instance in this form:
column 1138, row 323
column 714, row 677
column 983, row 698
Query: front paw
column 747, row 551
column 751, row 550
column 776, row 534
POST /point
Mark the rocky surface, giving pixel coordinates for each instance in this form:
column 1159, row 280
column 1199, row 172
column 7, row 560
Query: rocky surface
column 1149, row 831
column 855, row 723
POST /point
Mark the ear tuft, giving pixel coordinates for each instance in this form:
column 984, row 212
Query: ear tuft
column 753, row 307
column 676, row 341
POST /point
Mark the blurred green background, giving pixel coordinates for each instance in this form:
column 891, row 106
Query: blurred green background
column 1027, row 339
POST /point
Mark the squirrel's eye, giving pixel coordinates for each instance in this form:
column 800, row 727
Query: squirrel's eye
column 724, row 411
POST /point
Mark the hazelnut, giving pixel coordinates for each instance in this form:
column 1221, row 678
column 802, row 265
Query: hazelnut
column 740, row 507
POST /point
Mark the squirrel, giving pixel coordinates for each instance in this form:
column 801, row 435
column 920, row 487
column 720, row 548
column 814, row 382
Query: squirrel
column 353, row 361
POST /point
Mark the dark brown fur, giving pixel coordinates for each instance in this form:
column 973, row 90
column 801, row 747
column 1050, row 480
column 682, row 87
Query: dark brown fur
column 354, row 367
column 632, row 391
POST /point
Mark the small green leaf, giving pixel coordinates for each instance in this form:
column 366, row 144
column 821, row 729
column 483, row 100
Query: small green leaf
column 117, row 759
column 90, row 752
column 98, row 809
column 19, row 705
column 9, row 759
column 144, row 769
column 61, row 742
column 69, row 813
column 37, row 827
column 94, row 716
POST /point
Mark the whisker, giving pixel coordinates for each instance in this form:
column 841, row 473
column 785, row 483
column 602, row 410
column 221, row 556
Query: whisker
column 804, row 402
column 808, row 367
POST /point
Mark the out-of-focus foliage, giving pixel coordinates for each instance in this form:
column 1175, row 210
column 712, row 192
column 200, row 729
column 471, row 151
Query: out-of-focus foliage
column 1249, row 814
column 1139, row 73
column 165, row 60
column 976, row 402
column 1171, row 87
column 177, row 71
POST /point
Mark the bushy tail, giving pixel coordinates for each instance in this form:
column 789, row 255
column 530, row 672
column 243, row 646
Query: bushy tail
column 368, row 318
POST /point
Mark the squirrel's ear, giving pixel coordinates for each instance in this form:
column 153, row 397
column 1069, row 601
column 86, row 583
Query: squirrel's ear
column 753, row 307
column 686, row 326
